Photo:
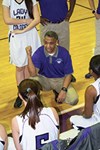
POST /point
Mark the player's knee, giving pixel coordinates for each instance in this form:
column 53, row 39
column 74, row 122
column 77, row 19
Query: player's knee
column 74, row 102
column 19, row 69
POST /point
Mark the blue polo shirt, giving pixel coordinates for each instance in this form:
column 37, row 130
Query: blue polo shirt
column 56, row 66
column 98, row 9
column 54, row 10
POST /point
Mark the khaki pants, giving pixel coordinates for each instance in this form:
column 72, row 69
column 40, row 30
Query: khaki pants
column 97, row 47
column 62, row 30
column 56, row 84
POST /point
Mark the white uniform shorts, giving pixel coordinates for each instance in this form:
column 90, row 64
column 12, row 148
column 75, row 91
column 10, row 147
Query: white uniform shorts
column 18, row 43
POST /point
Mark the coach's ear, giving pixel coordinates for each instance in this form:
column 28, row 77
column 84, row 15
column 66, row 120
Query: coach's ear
column 57, row 42
column 91, row 71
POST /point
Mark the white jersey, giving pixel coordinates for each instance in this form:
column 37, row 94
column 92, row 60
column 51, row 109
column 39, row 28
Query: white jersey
column 46, row 130
column 96, row 108
column 17, row 11
column 80, row 121
column 1, row 144
column 18, row 42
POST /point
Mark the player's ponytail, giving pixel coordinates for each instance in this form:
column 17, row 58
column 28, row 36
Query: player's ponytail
column 33, row 108
column 29, row 5
column 30, row 92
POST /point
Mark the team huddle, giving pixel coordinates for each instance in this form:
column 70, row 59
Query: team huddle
column 43, row 62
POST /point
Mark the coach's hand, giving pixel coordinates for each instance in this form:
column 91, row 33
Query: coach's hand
column 61, row 96
column 29, row 50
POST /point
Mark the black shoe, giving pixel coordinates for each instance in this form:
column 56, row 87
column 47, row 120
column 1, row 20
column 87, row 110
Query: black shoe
column 88, row 75
column 73, row 79
column 18, row 102
column 56, row 95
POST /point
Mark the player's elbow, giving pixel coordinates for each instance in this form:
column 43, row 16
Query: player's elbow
column 7, row 21
column 37, row 20
column 87, row 115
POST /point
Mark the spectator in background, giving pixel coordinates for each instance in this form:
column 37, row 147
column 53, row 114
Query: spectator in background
column 96, row 13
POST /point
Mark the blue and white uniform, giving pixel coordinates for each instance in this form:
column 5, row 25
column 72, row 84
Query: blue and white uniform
column 46, row 130
column 80, row 121
column 18, row 42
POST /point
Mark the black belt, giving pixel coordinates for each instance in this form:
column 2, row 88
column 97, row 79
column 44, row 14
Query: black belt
column 56, row 22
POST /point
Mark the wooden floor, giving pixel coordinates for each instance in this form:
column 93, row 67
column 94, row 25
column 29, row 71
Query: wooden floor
column 82, row 42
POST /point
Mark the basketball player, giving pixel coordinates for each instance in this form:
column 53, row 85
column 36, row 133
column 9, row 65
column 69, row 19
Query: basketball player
column 37, row 124
column 91, row 113
column 22, row 16
column 3, row 138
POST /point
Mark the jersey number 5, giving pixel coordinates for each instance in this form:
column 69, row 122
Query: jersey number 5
column 41, row 140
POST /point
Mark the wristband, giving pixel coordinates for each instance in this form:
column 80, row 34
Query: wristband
column 64, row 89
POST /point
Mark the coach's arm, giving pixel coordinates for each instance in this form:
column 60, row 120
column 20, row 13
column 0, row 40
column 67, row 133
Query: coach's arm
column 32, row 69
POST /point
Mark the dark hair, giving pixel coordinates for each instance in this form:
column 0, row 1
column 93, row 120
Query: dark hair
column 51, row 34
column 30, row 92
column 29, row 5
column 95, row 64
